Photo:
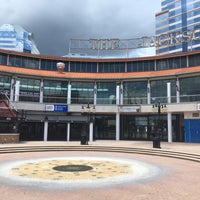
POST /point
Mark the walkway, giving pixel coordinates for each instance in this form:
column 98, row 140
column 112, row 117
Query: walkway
column 114, row 170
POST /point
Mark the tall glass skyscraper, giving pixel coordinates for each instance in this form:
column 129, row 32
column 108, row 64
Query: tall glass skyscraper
column 178, row 26
column 16, row 38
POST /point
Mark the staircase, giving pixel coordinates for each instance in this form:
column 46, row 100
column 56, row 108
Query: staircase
column 6, row 109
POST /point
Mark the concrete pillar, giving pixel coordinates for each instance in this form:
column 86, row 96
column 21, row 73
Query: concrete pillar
column 91, row 132
column 177, row 91
column 12, row 88
column 17, row 88
column 45, row 131
column 169, row 115
column 117, row 126
column 148, row 93
column 68, row 132
column 41, row 91
column 121, row 94
column 169, row 125
column 95, row 94
column 69, row 94
column 117, row 94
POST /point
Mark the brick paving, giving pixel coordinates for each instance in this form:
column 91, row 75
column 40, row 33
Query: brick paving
column 180, row 179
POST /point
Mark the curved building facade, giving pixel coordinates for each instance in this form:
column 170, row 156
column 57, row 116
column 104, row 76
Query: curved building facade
column 116, row 99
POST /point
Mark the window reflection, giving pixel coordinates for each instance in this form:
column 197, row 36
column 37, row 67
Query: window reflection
column 29, row 90
column 106, row 92
column 82, row 92
column 135, row 92
column 55, row 91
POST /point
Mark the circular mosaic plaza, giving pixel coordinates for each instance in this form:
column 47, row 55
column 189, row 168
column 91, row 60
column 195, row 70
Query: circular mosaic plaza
column 75, row 172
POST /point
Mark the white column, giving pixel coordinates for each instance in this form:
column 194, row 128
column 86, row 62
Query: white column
column 95, row 94
column 177, row 91
column 45, row 130
column 17, row 86
column 117, row 94
column 169, row 115
column 12, row 89
column 117, row 126
column 68, row 132
column 69, row 94
column 41, row 91
column 169, row 127
column 168, row 92
column 91, row 132
column 148, row 93
column 121, row 94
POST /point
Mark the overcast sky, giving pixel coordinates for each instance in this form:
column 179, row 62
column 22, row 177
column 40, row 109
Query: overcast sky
column 54, row 22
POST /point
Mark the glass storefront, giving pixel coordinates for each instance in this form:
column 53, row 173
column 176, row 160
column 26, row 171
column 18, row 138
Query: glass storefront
column 106, row 92
column 159, row 90
column 82, row 92
column 5, row 84
column 105, row 127
column 55, row 91
column 3, row 59
column 145, row 127
column 31, row 131
column 107, row 67
column 27, row 62
column 47, row 64
column 189, row 89
column 29, row 90
column 135, row 92
column 83, row 67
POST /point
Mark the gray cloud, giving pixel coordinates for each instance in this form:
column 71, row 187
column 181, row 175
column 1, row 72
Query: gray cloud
column 54, row 22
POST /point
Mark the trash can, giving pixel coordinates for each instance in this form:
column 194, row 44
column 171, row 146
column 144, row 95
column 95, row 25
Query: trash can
column 84, row 140
column 156, row 143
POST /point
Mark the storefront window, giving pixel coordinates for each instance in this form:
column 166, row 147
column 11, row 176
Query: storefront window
column 135, row 92
column 3, row 59
column 55, row 91
column 83, row 67
column 22, row 61
column 112, row 67
column 5, row 84
column 82, row 92
column 189, row 89
column 106, row 92
column 105, row 127
column 51, row 64
column 159, row 90
column 29, row 90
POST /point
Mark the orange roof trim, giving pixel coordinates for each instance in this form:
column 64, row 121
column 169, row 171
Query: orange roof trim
column 78, row 75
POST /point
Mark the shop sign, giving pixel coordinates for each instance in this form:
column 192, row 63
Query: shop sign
column 128, row 109
column 56, row 107
column 60, row 108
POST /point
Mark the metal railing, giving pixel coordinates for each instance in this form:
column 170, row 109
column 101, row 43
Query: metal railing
column 103, row 101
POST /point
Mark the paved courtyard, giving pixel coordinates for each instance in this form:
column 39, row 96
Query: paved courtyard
column 102, row 175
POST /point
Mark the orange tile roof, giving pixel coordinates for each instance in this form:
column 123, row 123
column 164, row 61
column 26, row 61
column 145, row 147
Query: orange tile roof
column 80, row 75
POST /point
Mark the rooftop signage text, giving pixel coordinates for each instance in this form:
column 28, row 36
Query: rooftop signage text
column 163, row 40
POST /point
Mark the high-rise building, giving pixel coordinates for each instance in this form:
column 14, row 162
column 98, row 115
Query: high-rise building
column 178, row 26
column 16, row 38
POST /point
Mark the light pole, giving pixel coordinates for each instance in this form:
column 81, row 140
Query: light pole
column 156, row 136
column 87, row 110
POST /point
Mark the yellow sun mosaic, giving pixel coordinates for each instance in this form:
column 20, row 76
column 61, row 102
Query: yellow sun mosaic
column 97, row 169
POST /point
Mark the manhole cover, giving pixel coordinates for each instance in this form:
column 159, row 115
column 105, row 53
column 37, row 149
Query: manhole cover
column 72, row 168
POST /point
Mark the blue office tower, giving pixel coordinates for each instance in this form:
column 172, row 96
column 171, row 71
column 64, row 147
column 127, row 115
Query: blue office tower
column 178, row 26
column 15, row 38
